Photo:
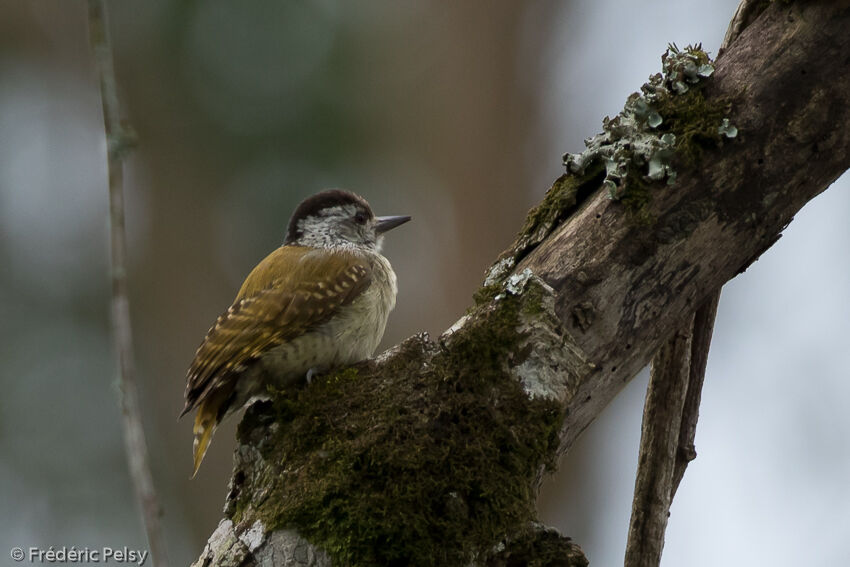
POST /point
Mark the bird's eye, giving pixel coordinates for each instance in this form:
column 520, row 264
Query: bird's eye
column 360, row 218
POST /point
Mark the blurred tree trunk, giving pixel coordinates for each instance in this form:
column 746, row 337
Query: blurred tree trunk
column 432, row 454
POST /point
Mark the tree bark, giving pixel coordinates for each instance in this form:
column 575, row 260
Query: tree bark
column 431, row 454
column 673, row 367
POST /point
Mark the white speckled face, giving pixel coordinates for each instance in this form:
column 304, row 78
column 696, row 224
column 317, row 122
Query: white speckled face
column 341, row 225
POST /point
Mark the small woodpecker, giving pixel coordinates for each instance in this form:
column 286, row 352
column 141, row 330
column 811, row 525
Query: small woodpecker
column 319, row 301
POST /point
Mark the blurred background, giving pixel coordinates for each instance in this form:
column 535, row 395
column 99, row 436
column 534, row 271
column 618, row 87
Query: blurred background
column 456, row 113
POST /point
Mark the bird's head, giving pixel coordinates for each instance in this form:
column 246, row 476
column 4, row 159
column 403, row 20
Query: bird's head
column 335, row 218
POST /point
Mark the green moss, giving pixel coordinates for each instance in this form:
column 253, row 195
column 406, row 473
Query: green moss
column 539, row 547
column 407, row 469
column 561, row 199
column 485, row 295
column 533, row 304
column 638, row 196
column 694, row 120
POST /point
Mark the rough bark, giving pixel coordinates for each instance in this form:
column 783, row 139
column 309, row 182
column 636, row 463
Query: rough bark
column 394, row 462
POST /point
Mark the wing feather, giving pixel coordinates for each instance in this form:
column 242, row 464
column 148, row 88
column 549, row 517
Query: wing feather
column 283, row 309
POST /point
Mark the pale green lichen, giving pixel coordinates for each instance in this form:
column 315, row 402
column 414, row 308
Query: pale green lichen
column 669, row 116
column 727, row 129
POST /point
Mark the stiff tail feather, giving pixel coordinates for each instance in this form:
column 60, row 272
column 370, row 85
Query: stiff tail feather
column 205, row 423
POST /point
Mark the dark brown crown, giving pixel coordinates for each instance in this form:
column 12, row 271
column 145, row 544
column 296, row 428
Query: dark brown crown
column 312, row 207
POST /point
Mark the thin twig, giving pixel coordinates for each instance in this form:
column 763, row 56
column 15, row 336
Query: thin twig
column 667, row 433
column 118, row 140
column 700, row 343
column 659, row 443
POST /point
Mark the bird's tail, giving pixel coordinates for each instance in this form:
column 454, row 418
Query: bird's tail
column 205, row 423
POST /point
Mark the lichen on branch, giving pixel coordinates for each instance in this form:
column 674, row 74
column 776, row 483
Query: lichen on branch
column 670, row 116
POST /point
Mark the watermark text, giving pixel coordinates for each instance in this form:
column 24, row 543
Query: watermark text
column 76, row 554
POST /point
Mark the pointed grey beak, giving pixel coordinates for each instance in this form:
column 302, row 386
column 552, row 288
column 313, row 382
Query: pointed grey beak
column 386, row 223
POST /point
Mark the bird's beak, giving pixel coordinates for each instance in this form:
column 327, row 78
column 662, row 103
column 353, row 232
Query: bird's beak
column 386, row 223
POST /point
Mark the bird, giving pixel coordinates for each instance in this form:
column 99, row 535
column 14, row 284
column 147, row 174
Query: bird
column 319, row 301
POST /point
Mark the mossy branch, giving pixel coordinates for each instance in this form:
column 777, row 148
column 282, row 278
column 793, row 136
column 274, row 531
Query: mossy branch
column 431, row 454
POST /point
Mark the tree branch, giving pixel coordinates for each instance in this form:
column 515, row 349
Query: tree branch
column 701, row 340
column 118, row 140
column 654, row 487
column 623, row 284
column 431, row 453
column 669, row 426
column 662, row 418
